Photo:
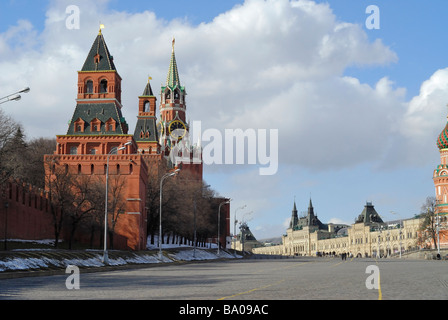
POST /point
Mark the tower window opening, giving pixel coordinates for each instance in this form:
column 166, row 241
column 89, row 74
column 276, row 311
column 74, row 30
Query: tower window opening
column 73, row 150
column 89, row 86
column 103, row 86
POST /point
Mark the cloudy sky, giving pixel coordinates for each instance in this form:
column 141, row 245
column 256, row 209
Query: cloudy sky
column 357, row 109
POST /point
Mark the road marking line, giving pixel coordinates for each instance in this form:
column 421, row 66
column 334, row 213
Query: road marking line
column 380, row 294
column 334, row 265
column 245, row 292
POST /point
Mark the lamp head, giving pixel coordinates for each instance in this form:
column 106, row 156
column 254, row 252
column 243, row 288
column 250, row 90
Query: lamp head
column 16, row 97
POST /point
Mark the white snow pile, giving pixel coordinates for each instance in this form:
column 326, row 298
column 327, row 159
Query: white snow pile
column 21, row 260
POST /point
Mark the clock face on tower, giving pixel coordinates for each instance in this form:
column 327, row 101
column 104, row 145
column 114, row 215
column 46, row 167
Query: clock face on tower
column 160, row 128
column 177, row 129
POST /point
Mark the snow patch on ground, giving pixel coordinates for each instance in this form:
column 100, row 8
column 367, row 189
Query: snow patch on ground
column 48, row 258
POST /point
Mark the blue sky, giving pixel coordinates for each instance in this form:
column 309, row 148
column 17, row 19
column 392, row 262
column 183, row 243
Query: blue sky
column 353, row 122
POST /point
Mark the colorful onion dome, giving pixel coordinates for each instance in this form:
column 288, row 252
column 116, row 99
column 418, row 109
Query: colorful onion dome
column 442, row 140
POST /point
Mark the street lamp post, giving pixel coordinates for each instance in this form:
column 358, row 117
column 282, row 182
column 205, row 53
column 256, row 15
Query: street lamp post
column 219, row 220
column 234, row 230
column 401, row 230
column 194, row 227
column 438, row 235
column 166, row 175
column 105, row 254
column 243, row 221
column 14, row 96
column 378, row 242
column 388, row 243
column 6, row 223
column 194, row 220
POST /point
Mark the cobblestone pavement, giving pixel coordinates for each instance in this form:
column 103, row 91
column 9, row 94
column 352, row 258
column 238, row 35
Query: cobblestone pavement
column 301, row 278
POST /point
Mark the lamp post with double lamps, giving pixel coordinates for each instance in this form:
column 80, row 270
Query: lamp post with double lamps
column 219, row 220
column 113, row 151
column 166, row 175
column 14, row 96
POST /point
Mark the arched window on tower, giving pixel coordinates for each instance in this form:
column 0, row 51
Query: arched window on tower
column 147, row 106
column 168, row 94
column 103, row 86
column 176, row 94
column 89, row 86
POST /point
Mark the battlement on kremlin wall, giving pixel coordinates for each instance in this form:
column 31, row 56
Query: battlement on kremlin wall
column 24, row 212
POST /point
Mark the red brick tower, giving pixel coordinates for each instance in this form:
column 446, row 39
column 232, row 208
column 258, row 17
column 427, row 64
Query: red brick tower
column 173, row 130
column 440, row 175
column 96, row 133
column 145, row 133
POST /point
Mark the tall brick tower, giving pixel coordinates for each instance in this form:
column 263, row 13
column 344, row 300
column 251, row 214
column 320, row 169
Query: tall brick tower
column 173, row 129
column 440, row 175
column 145, row 133
column 96, row 133
column 440, row 178
column 172, row 125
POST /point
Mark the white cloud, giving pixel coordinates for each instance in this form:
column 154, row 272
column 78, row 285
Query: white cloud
column 339, row 221
column 422, row 120
column 425, row 117
column 263, row 64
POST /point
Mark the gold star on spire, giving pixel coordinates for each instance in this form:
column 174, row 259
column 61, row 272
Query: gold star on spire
column 101, row 27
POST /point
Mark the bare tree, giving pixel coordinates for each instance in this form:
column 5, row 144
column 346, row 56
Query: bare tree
column 9, row 130
column 85, row 198
column 155, row 172
column 35, row 170
column 428, row 226
column 116, row 203
column 59, row 184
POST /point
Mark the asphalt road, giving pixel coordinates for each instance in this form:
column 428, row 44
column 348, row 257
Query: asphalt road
column 272, row 279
